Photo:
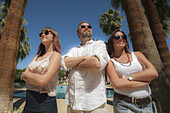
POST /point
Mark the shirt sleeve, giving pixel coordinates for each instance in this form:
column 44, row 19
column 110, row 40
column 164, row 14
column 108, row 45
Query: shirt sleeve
column 99, row 50
column 69, row 54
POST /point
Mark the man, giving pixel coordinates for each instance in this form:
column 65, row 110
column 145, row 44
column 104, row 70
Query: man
column 86, row 87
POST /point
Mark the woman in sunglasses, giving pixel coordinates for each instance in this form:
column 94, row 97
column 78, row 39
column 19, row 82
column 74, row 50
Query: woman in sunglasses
column 41, row 75
column 130, row 75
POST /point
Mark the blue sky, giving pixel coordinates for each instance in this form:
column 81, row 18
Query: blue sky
column 64, row 17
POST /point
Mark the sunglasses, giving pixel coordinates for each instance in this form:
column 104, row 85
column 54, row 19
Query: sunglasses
column 46, row 33
column 88, row 26
column 117, row 37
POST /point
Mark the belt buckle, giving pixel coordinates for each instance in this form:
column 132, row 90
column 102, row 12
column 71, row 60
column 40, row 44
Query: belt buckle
column 136, row 102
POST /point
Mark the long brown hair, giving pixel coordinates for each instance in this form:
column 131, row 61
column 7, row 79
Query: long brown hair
column 110, row 44
column 56, row 42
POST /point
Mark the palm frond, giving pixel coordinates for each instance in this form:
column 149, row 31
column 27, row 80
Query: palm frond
column 110, row 21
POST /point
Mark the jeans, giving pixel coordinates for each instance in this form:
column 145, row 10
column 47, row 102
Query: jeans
column 121, row 106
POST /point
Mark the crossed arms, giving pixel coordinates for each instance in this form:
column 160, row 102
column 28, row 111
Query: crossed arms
column 43, row 79
column 97, row 61
column 140, row 79
column 84, row 63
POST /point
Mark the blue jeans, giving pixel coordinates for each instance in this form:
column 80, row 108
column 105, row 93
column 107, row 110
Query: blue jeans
column 121, row 106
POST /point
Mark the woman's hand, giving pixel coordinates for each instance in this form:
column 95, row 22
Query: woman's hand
column 44, row 71
column 24, row 76
column 42, row 79
column 148, row 72
column 120, row 83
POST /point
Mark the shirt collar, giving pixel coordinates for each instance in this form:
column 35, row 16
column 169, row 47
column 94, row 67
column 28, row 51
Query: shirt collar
column 88, row 42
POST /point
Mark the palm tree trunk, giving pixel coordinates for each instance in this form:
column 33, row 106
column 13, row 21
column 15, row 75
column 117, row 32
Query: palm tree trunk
column 158, row 34
column 8, row 52
column 140, row 32
column 143, row 41
column 161, row 44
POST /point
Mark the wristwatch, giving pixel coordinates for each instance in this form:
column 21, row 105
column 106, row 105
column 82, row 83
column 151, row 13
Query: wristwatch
column 130, row 78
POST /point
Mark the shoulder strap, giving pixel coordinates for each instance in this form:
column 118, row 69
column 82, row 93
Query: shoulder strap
column 143, row 66
column 49, row 56
column 135, row 57
column 112, row 61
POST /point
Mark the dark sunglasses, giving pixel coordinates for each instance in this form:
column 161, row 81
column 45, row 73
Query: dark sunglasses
column 83, row 26
column 117, row 37
column 46, row 33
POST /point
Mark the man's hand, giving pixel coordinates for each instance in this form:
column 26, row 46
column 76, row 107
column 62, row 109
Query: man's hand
column 71, row 62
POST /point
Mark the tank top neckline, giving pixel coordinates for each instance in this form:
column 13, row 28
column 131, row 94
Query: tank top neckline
column 42, row 59
column 127, row 63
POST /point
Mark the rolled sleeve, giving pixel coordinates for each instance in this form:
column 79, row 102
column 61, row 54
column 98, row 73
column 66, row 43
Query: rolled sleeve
column 63, row 63
column 101, row 52
column 69, row 54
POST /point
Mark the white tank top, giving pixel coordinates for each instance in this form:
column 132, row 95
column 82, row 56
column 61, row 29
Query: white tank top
column 122, row 71
column 38, row 67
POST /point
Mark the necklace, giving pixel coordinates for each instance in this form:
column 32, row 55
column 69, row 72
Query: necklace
column 124, row 63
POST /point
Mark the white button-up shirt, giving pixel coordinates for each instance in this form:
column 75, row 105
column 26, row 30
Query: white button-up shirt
column 86, row 89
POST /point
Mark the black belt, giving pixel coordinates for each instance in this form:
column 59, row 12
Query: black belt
column 139, row 101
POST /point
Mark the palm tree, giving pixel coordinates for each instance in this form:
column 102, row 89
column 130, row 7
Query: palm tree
column 138, row 27
column 8, row 52
column 3, row 13
column 142, row 40
column 160, row 41
column 24, row 45
column 158, row 34
column 110, row 21
column 163, row 9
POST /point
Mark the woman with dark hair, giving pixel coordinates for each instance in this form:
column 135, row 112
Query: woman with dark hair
column 130, row 75
column 41, row 75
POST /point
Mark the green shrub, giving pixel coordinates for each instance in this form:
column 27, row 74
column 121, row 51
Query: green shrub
column 19, row 84
column 17, row 79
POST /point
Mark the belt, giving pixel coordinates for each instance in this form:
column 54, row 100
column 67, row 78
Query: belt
column 138, row 101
